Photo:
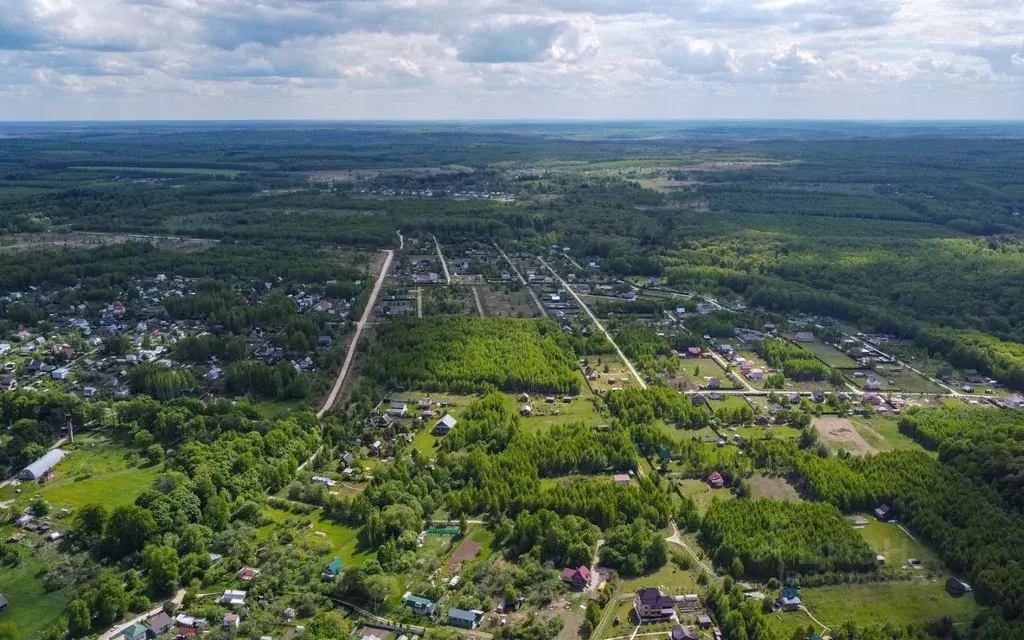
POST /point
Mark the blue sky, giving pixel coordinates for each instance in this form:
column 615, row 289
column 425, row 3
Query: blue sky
column 533, row 59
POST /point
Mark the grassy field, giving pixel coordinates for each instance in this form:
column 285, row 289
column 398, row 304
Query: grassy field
column 702, row 494
column 728, row 402
column 96, row 469
column 700, row 370
column 897, row 547
column 29, row 605
column 344, row 540
column 617, row 375
column 896, row 603
column 756, row 433
column 169, row 170
column 883, row 433
column 424, row 442
column 829, row 355
column 547, row 415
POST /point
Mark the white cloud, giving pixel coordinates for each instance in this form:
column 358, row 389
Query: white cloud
column 511, row 58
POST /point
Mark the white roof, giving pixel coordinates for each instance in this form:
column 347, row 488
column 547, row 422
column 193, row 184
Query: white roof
column 447, row 421
column 43, row 464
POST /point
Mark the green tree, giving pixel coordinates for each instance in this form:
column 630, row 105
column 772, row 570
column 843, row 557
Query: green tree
column 128, row 530
column 79, row 618
column 88, row 524
column 161, row 569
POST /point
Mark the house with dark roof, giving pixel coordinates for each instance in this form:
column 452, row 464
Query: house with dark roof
column 577, row 578
column 465, row 619
column 653, row 606
column 444, row 425
column 680, row 632
column 882, row 512
column 160, row 624
column 789, row 600
column 957, row 588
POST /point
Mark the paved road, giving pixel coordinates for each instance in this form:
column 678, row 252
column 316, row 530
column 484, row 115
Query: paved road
column 597, row 323
column 444, row 265
column 114, row 631
column 332, row 397
column 526, row 284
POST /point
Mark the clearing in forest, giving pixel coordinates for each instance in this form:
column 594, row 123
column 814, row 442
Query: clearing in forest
column 841, row 431
column 773, row 489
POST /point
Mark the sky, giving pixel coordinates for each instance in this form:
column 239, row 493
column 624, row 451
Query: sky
column 510, row 59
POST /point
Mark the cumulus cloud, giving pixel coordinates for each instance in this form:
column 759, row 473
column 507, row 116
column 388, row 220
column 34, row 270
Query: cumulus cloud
column 508, row 58
column 529, row 40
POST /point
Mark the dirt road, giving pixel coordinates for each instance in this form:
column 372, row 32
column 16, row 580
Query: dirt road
column 332, row 397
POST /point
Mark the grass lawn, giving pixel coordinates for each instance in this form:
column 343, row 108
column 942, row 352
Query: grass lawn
column 425, row 441
column 785, row 623
column 29, row 605
column 96, row 469
column 829, row 355
column 706, row 434
column 700, row 370
column 897, row 603
column 547, row 415
column 883, row 433
column 344, row 540
column 757, row 433
column 702, row 494
column 897, row 547
column 613, row 373
column 728, row 402
column 670, row 579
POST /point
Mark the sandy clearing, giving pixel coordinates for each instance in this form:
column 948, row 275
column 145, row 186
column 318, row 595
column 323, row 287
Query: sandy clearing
column 842, row 432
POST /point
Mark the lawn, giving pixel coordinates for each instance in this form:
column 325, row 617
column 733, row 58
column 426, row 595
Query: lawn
column 728, row 402
column 425, row 442
column 613, row 373
column 897, row 547
column 829, row 355
column 701, row 370
column 757, row 433
column 896, row 603
column 670, row 579
column 29, row 605
column 96, row 469
column 883, row 433
column 344, row 540
column 702, row 494
column 547, row 415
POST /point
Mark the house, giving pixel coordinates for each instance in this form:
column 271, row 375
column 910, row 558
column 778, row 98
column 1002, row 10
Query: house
column 873, row 383
column 804, row 336
column 248, row 574
column 526, row 411
column 419, row 606
column 42, row 466
column 679, row 632
column 230, row 620
column 333, row 570
column 185, row 620
column 89, row 392
column 465, row 619
column 653, row 606
column 8, row 383
column 956, row 588
column 789, row 600
column 60, row 374
column 187, row 633
column 716, row 480
column 621, row 478
column 423, row 404
column 577, row 578
column 882, row 512
column 233, row 597
column 396, row 408
column 445, row 424
column 160, row 624
column 324, row 480
column 323, row 341
column 704, row 621
column 818, row 396
column 714, row 383
column 135, row 632
column 376, row 447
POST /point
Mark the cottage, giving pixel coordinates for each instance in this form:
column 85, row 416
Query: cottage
column 693, row 352
column 653, row 606
column 160, row 624
column 679, row 632
column 576, row 578
column 465, row 619
column 42, row 466
column 135, row 632
column 324, row 480
column 704, row 621
column 233, row 597
column 444, row 425
column 789, row 600
column 333, row 570
column 714, row 383
column 89, row 392
column 882, row 512
column 716, row 480
column 231, row 620
column 957, row 588
column 804, row 336
column 873, row 383
column 8, row 383
column 324, row 341
column 60, row 374
column 526, row 411
column 248, row 574
column 396, row 408
column 419, row 606
column 621, row 478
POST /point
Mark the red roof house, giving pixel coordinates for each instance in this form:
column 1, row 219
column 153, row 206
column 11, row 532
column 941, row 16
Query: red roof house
column 716, row 480
column 578, row 578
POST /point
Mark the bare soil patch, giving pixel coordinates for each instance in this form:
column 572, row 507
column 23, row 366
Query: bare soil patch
column 842, row 432
column 773, row 489
column 466, row 551
column 88, row 240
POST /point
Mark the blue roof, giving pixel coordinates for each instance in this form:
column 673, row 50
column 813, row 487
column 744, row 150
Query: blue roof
column 789, row 592
column 335, row 566
column 418, row 602
column 462, row 614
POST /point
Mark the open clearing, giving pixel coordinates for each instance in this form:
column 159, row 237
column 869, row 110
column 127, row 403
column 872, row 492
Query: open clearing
column 466, row 552
column 898, row 547
column 772, row 489
column 841, row 432
column 883, row 433
column 89, row 240
column 897, row 603
column 702, row 494
column 30, row 606
column 829, row 355
column 497, row 301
